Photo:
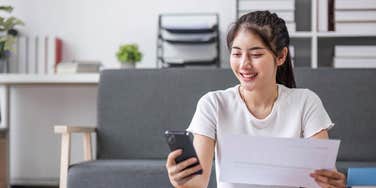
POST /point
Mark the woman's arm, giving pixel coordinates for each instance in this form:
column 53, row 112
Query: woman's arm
column 204, row 147
column 328, row 178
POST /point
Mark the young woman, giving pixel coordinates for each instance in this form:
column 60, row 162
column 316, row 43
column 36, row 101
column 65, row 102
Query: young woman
column 265, row 103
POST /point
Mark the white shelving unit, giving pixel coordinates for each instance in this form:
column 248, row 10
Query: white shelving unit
column 315, row 37
column 13, row 79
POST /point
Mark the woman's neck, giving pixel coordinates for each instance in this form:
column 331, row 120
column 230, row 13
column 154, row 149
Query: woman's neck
column 260, row 101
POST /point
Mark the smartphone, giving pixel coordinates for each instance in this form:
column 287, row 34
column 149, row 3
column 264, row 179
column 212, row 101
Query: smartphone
column 182, row 140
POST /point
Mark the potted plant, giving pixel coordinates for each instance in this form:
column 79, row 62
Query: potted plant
column 7, row 36
column 128, row 55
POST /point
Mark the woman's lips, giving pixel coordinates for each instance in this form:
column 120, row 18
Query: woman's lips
column 246, row 76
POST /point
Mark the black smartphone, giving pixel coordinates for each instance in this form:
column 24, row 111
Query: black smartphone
column 182, row 140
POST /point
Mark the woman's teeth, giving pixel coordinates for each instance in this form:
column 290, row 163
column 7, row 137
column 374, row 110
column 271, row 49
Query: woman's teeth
column 249, row 75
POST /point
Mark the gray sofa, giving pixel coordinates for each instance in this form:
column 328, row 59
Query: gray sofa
column 136, row 106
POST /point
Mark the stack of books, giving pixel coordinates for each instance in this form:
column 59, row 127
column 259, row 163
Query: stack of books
column 355, row 16
column 73, row 67
column 283, row 8
column 351, row 56
column 36, row 55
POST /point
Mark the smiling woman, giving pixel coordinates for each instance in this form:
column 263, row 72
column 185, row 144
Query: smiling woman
column 263, row 104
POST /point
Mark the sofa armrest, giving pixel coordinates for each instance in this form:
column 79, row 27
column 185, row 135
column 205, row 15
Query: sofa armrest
column 66, row 132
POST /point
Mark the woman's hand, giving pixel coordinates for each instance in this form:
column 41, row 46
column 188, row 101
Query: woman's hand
column 329, row 178
column 177, row 173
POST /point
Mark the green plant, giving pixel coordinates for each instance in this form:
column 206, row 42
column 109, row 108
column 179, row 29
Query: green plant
column 7, row 32
column 129, row 53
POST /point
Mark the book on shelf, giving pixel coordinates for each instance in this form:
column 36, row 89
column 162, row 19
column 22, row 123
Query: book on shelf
column 355, row 51
column 13, row 59
column 54, row 53
column 355, row 15
column 71, row 67
column 32, row 55
column 266, row 4
column 358, row 4
column 356, row 27
column 361, row 177
column 42, row 55
column 22, row 49
column 331, row 15
column 354, row 62
column 322, row 15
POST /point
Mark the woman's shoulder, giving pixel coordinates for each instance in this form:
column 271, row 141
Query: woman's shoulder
column 228, row 93
column 303, row 94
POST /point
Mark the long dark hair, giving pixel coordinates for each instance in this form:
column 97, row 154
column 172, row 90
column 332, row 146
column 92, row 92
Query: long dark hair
column 273, row 32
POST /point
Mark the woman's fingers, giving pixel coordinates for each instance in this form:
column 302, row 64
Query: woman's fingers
column 177, row 173
column 188, row 172
column 330, row 173
column 184, row 164
column 329, row 178
column 172, row 156
column 185, row 180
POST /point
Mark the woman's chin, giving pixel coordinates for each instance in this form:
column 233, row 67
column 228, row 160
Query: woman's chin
column 248, row 86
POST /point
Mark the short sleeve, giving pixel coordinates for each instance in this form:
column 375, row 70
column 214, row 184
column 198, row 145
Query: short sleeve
column 315, row 117
column 204, row 120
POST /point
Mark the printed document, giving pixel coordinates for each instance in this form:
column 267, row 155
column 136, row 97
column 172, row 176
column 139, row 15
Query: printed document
column 275, row 161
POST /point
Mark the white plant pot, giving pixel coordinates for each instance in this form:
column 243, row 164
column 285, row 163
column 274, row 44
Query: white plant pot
column 128, row 65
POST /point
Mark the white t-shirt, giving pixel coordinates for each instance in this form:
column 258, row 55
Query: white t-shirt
column 296, row 113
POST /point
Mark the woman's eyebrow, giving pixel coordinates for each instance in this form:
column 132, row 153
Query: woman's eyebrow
column 249, row 49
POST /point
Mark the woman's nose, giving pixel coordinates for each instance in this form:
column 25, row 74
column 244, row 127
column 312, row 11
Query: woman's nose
column 246, row 61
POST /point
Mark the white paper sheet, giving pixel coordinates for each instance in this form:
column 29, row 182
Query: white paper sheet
column 275, row 161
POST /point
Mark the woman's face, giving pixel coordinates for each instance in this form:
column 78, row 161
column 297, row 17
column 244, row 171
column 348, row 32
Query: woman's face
column 252, row 62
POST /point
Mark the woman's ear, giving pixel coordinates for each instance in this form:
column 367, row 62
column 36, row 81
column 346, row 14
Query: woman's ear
column 282, row 56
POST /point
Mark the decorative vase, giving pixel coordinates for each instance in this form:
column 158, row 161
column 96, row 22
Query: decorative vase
column 128, row 65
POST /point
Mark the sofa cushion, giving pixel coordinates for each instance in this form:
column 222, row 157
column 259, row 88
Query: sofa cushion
column 121, row 174
column 118, row 173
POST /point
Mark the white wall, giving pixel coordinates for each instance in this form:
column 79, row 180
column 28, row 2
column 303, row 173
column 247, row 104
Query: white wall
column 94, row 29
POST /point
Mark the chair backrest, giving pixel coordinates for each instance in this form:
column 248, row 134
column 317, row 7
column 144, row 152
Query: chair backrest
column 135, row 107
column 349, row 96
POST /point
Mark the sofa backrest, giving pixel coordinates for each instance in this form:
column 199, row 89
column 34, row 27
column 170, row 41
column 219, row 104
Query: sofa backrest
column 135, row 107
column 349, row 96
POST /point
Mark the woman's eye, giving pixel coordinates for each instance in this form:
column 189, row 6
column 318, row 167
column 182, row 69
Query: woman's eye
column 236, row 54
column 257, row 55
